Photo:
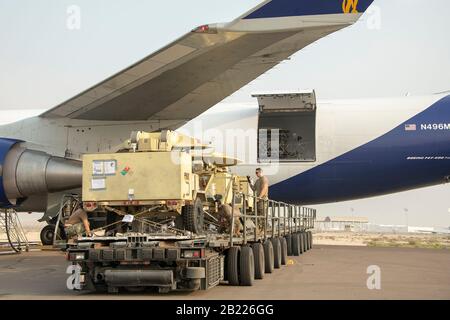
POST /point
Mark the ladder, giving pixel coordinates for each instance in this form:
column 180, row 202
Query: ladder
column 12, row 235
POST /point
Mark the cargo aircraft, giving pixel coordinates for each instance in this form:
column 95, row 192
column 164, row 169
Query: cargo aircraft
column 328, row 150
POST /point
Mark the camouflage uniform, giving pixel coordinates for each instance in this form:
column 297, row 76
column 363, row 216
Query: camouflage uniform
column 75, row 230
column 225, row 219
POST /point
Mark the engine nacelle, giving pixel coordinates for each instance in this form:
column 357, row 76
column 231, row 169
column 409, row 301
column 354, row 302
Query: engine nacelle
column 26, row 172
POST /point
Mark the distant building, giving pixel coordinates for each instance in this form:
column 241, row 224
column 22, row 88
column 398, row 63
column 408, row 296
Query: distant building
column 387, row 228
column 342, row 224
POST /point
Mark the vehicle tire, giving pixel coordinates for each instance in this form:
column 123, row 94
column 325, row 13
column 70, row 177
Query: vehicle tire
column 308, row 241
column 276, row 253
column 289, row 244
column 296, row 249
column 305, row 240
column 301, row 237
column 258, row 255
column 247, row 266
column 47, row 234
column 233, row 263
column 283, row 251
column 194, row 284
column 268, row 257
column 193, row 217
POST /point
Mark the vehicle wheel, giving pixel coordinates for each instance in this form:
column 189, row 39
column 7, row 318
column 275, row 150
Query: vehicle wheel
column 268, row 257
column 193, row 217
column 233, row 265
column 258, row 255
column 247, row 266
column 301, row 238
column 47, row 234
column 308, row 241
column 305, row 242
column 296, row 249
column 276, row 252
column 283, row 251
column 289, row 244
column 194, row 284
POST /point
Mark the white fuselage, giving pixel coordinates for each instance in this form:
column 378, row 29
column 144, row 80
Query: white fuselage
column 340, row 127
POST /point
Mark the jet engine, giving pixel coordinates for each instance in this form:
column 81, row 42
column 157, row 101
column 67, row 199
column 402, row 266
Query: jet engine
column 25, row 173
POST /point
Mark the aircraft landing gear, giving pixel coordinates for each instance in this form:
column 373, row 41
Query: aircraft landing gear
column 47, row 235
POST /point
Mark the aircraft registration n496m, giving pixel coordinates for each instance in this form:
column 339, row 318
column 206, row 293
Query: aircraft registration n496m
column 315, row 151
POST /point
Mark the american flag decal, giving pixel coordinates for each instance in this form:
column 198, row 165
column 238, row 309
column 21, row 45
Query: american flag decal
column 410, row 127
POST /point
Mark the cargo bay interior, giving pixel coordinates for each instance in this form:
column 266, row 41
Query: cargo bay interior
column 287, row 127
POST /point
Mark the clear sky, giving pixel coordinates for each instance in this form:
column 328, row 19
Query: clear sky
column 43, row 62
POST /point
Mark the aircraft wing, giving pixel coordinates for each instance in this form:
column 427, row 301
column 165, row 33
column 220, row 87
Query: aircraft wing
column 192, row 74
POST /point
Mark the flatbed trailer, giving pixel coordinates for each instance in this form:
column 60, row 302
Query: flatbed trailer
column 172, row 260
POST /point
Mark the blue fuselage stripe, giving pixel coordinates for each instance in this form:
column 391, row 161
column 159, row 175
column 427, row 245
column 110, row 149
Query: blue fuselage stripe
column 289, row 8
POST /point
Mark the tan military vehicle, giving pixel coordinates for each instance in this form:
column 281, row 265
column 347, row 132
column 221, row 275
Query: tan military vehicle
column 166, row 212
column 165, row 177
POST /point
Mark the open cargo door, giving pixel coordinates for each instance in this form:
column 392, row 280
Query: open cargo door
column 287, row 127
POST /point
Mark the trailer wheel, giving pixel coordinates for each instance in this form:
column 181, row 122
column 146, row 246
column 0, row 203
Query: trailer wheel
column 296, row 249
column 305, row 241
column 283, row 251
column 247, row 266
column 47, row 234
column 258, row 255
column 289, row 238
column 302, row 242
column 268, row 257
column 276, row 253
column 308, row 241
column 193, row 217
column 233, row 265
column 194, row 284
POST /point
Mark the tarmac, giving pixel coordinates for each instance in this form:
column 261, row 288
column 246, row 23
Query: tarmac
column 325, row 272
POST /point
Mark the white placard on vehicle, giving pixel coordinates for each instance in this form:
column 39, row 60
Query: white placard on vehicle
column 98, row 184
